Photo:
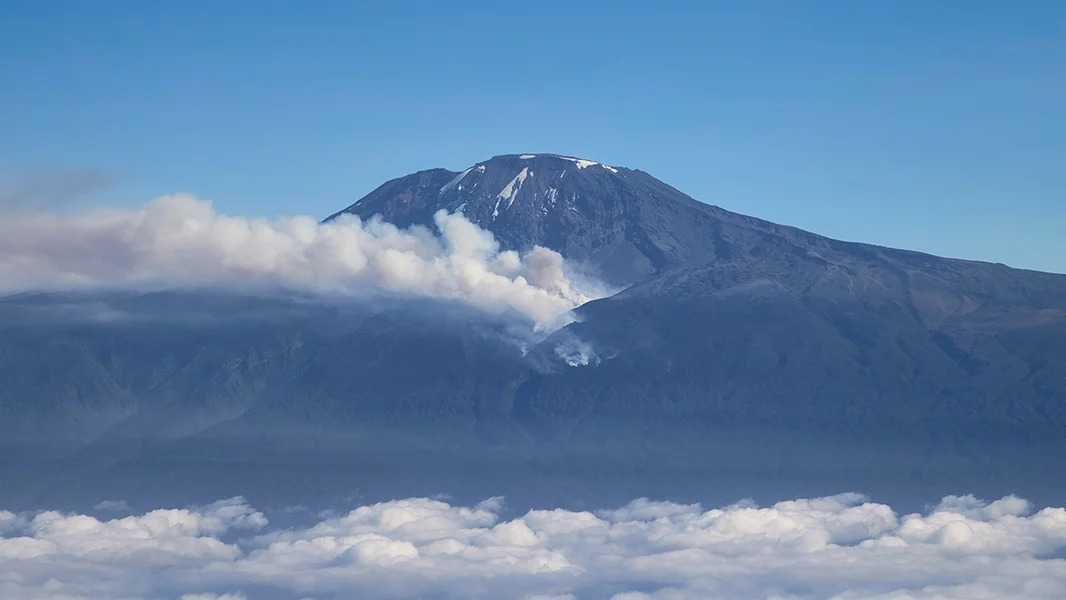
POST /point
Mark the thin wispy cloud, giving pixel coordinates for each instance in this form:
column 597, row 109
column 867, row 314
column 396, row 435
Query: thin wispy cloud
column 51, row 188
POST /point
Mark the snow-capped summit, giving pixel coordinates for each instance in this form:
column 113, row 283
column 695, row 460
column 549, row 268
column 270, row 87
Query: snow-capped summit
column 535, row 182
column 623, row 222
column 580, row 162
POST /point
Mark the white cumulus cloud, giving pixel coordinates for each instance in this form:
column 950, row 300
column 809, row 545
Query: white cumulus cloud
column 179, row 240
column 841, row 547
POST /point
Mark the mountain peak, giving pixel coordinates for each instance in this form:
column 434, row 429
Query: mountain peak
column 557, row 160
column 588, row 211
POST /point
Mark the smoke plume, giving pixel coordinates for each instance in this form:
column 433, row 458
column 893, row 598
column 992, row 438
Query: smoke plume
column 179, row 240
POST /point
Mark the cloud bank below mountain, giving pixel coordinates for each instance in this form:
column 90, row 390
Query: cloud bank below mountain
column 180, row 240
column 841, row 547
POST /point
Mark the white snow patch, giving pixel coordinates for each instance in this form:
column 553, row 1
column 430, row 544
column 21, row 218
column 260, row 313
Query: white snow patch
column 510, row 191
column 582, row 163
column 481, row 168
column 511, row 201
column 527, row 156
column 552, row 195
column 451, row 184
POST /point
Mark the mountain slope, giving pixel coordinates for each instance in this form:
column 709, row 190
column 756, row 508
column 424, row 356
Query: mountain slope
column 799, row 340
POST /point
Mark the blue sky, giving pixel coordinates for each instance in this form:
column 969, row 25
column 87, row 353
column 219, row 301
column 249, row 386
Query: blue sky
column 936, row 126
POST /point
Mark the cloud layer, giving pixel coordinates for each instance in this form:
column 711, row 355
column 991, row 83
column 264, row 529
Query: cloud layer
column 179, row 240
column 840, row 547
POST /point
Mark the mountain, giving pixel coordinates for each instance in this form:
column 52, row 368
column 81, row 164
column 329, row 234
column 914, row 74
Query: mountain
column 741, row 357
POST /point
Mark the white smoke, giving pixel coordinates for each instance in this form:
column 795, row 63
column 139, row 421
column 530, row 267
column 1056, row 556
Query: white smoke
column 576, row 352
column 178, row 240
column 840, row 547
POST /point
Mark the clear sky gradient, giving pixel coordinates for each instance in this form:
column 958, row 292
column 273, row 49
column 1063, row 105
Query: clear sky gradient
column 935, row 126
